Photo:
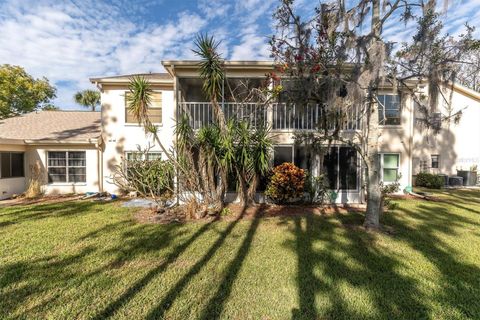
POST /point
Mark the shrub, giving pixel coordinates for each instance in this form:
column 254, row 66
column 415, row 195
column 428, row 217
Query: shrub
column 428, row 180
column 149, row 178
column 286, row 183
column 317, row 188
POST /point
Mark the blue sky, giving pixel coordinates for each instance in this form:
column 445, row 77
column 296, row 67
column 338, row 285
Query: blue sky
column 70, row 41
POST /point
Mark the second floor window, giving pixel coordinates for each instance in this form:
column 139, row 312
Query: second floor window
column 389, row 109
column 154, row 112
column 435, row 161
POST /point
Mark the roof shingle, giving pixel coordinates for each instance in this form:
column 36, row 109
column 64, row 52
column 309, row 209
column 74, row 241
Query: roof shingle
column 52, row 125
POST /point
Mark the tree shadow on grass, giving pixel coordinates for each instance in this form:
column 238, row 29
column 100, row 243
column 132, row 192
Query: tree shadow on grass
column 215, row 305
column 158, row 312
column 135, row 288
column 325, row 264
column 460, row 280
column 333, row 256
column 50, row 210
column 20, row 281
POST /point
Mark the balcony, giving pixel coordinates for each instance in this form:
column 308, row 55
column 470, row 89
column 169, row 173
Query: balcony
column 279, row 116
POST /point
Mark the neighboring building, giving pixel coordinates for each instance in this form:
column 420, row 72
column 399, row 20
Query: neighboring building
column 405, row 149
column 65, row 144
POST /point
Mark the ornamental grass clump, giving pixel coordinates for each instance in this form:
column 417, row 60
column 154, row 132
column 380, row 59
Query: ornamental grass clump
column 286, row 183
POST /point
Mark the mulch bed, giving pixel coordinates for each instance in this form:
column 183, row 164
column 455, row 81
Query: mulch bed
column 177, row 214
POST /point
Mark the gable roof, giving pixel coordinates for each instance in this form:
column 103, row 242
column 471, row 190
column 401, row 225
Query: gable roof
column 53, row 126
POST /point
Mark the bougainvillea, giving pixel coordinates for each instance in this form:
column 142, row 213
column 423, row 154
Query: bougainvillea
column 286, row 183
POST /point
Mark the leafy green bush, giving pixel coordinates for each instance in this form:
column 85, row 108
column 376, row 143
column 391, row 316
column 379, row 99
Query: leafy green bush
column 286, row 183
column 428, row 180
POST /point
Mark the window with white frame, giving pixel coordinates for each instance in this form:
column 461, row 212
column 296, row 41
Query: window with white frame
column 67, row 166
column 11, row 165
column 389, row 109
column 390, row 163
column 435, row 160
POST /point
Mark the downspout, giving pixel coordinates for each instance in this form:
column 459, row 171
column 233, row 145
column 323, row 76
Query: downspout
column 100, row 168
column 175, row 105
column 409, row 187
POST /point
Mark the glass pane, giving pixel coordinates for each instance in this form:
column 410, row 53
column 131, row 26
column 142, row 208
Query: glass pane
column 5, row 165
column 389, row 109
column 57, row 159
column 434, row 161
column 17, row 165
column 154, row 156
column 390, row 160
column 156, row 100
column 134, row 156
column 77, row 174
column 390, row 175
column 155, row 115
column 348, row 168
column 57, row 175
column 330, row 167
column 76, row 159
column 302, row 158
column 281, row 155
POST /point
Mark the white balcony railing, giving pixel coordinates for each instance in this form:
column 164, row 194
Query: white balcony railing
column 279, row 116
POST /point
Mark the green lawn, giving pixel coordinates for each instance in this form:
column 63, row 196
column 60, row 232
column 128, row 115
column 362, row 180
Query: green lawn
column 82, row 260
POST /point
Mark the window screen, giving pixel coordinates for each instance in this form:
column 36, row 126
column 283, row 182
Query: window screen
column 348, row 168
column 5, row 165
column 11, row 165
column 330, row 167
column 282, row 154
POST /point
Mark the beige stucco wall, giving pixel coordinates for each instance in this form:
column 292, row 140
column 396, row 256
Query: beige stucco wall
column 398, row 139
column 39, row 153
column 458, row 144
column 120, row 137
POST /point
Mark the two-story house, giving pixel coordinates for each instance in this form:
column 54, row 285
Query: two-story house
column 405, row 147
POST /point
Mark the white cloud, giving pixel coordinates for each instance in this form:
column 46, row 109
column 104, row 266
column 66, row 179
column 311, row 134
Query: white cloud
column 70, row 42
column 251, row 47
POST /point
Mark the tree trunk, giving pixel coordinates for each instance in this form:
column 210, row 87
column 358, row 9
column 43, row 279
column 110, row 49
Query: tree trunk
column 374, row 193
column 244, row 199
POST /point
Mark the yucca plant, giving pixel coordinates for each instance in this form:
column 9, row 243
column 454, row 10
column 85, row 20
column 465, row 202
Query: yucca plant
column 139, row 99
column 211, row 72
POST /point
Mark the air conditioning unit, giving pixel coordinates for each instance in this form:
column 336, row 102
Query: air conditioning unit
column 455, row 181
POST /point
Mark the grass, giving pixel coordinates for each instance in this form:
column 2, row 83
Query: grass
column 84, row 260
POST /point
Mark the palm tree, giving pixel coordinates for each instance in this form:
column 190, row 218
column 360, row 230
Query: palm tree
column 87, row 98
